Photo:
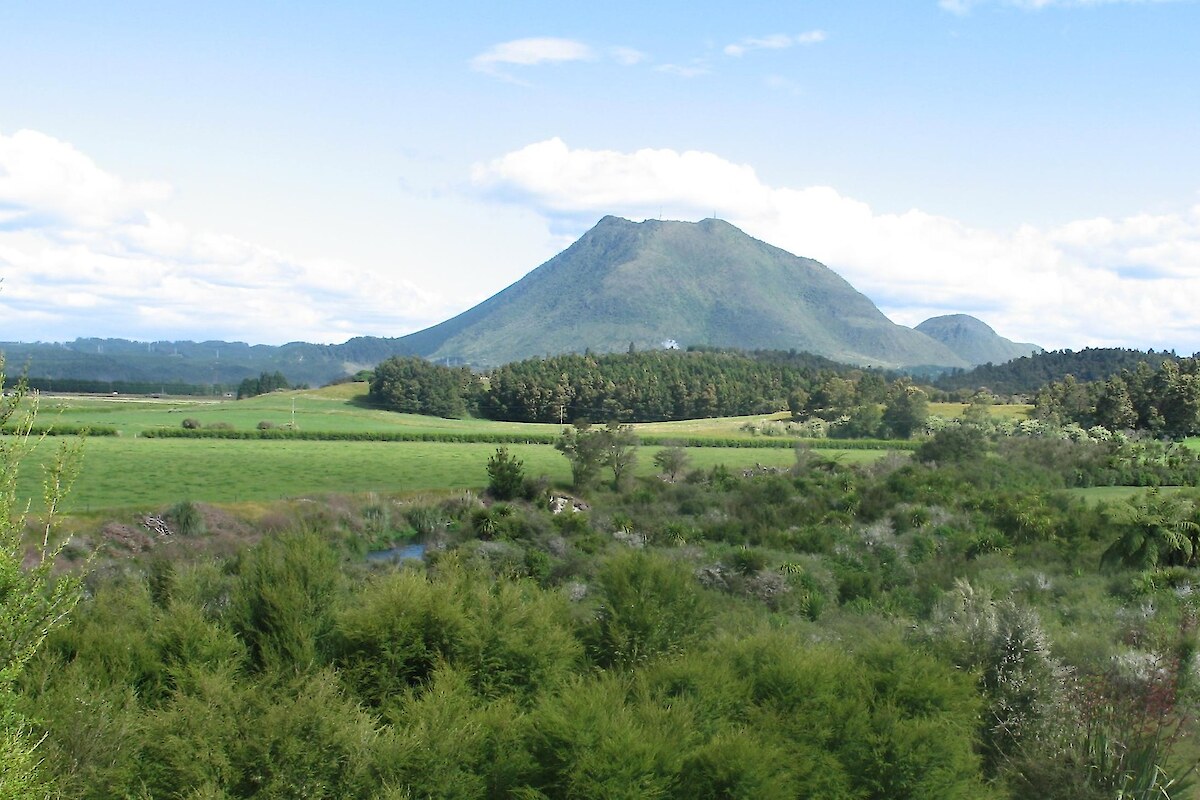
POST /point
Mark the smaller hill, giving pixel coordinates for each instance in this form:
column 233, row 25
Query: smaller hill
column 973, row 340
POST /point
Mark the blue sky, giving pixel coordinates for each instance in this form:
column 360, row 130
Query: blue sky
column 272, row 172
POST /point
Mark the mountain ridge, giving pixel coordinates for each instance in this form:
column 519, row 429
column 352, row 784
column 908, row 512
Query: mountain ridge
column 649, row 285
column 705, row 283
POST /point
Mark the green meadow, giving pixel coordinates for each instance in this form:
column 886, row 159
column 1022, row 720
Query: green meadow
column 1016, row 411
column 345, row 408
column 129, row 471
column 1120, row 494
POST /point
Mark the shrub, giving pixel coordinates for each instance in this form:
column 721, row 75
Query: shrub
column 187, row 519
column 192, row 424
column 650, row 606
column 265, row 425
column 506, row 475
column 427, row 521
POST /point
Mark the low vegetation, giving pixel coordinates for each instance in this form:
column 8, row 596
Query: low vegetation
column 606, row 613
column 954, row 625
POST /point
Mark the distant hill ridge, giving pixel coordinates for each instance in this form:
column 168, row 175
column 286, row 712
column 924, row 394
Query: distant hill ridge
column 216, row 363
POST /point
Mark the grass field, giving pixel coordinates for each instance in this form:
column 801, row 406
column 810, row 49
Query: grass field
column 129, row 471
column 125, row 472
column 1119, row 494
column 345, row 408
column 951, row 410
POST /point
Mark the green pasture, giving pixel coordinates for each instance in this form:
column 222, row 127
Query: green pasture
column 130, row 471
column 1120, row 494
column 127, row 472
column 333, row 408
column 1015, row 411
column 345, row 408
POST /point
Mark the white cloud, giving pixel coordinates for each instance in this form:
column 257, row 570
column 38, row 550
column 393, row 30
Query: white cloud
column 46, row 181
column 1131, row 282
column 775, row 41
column 83, row 249
column 531, row 52
column 535, row 51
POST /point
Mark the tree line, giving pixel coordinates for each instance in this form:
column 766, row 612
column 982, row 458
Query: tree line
column 1027, row 374
column 1163, row 400
column 628, row 387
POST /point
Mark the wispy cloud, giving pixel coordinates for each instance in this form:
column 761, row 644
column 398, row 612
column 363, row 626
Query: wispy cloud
column 531, row 52
column 963, row 7
column 627, row 56
column 80, row 246
column 775, row 41
column 537, row 51
column 1067, row 286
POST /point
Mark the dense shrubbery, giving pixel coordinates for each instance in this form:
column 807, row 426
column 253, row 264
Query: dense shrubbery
column 413, row 385
column 935, row 626
column 265, row 383
column 649, row 386
column 1027, row 374
column 61, row 429
column 1163, row 400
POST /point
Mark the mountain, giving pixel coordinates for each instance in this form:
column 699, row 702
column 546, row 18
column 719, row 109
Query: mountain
column 974, row 341
column 704, row 283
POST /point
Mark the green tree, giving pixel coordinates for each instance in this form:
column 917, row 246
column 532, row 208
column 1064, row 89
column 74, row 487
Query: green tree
column 953, row 445
column 265, row 383
column 906, row 410
column 798, row 402
column 620, row 452
column 1178, row 392
column 585, row 449
column 863, row 422
column 283, row 600
column 506, row 475
column 412, row 385
column 672, row 460
column 977, row 413
column 1004, row 644
column 1155, row 530
column 835, row 397
column 1114, row 406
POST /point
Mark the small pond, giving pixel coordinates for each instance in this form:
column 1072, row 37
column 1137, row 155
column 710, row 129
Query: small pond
column 401, row 552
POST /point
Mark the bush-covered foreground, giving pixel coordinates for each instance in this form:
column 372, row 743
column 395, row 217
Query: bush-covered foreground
column 960, row 628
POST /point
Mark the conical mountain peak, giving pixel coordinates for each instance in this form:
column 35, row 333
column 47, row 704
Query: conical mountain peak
column 692, row 283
